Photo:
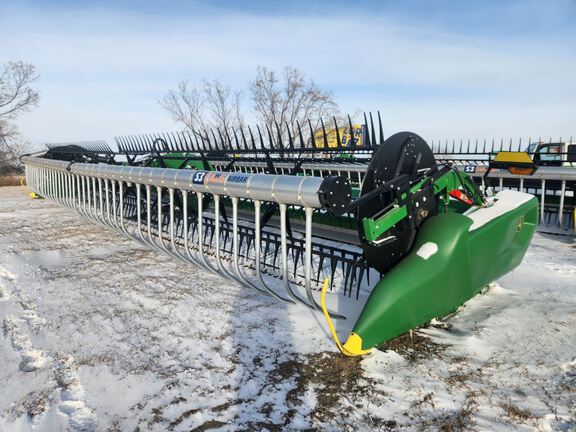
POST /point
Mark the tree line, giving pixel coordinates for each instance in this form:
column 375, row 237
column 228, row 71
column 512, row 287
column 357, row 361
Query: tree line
column 287, row 98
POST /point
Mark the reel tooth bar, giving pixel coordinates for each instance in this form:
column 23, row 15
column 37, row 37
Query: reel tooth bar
column 278, row 140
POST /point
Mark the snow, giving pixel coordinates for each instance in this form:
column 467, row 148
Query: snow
column 100, row 333
column 501, row 203
column 427, row 250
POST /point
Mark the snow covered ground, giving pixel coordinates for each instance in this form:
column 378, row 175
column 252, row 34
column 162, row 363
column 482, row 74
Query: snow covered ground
column 101, row 334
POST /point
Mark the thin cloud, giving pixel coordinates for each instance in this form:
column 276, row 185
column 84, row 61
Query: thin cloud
column 107, row 69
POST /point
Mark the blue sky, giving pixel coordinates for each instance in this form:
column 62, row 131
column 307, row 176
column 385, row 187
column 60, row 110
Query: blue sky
column 440, row 68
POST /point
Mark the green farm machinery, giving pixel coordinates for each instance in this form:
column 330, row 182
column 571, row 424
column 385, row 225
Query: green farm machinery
column 282, row 211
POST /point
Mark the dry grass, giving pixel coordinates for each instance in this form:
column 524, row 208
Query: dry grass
column 12, row 180
column 517, row 414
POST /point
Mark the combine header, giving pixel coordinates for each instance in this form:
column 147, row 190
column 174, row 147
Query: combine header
column 377, row 221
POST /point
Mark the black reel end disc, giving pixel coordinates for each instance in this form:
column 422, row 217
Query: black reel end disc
column 402, row 153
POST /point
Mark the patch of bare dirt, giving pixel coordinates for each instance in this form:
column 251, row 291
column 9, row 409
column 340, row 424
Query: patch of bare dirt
column 414, row 346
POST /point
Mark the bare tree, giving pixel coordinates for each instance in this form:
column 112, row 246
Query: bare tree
column 224, row 105
column 283, row 100
column 214, row 104
column 185, row 105
column 17, row 96
column 290, row 98
column 12, row 146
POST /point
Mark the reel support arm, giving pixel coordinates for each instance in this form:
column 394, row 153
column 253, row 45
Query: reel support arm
column 439, row 182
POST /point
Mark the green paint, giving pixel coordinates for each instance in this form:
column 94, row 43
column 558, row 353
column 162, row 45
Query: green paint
column 374, row 228
column 446, row 183
column 179, row 161
column 417, row 289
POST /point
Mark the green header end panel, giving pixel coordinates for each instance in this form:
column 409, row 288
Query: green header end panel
column 450, row 263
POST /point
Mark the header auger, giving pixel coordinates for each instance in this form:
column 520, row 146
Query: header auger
column 383, row 222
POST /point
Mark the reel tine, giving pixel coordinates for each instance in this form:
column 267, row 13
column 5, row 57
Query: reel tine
column 338, row 140
column 381, row 128
column 333, row 268
column 216, row 143
column 132, row 143
column 312, row 135
column 179, row 142
column 308, row 212
column 229, row 140
column 191, row 146
column 279, row 136
column 125, row 144
column 320, row 266
column 302, row 145
column 359, row 283
column 351, row 134
column 243, row 138
column 270, row 140
column 260, row 136
column 205, row 141
column 373, row 132
column 183, row 138
column 194, row 144
column 252, row 138
column 208, row 142
column 236, row 138
column 325, row 138
column 169, row 145
column 138, row 143
column 366, row 133
column 119, row 144
column 290, row 140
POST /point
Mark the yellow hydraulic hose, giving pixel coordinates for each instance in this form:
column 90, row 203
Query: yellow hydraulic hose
column 356, row 341
column 327, row 315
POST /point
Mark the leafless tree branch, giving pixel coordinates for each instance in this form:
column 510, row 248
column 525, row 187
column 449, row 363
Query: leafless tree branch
column 277, row 100
column 290, row 99
column 17, row 96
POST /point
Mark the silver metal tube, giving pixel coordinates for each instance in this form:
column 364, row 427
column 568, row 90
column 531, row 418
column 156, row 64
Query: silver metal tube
column 188, row 254
column 308, row 263
column 217, row 228
column 561, row 209
column 203, row 259
column 235, row 251
column 284, row 252
column 257, row 259
column 542, row 199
